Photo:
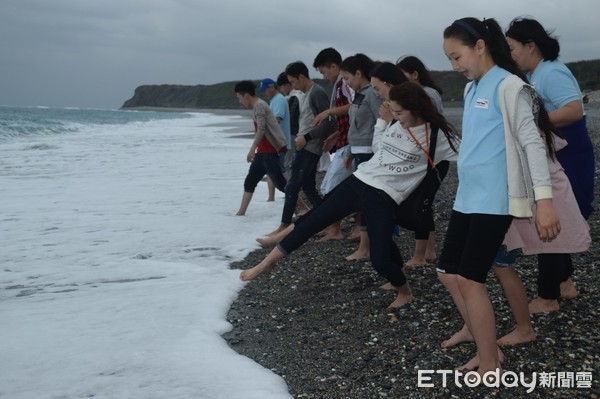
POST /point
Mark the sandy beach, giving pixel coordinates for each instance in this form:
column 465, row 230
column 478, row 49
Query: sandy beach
column 321, row 322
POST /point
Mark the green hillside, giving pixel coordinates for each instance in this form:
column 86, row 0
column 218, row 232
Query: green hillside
column 221, row 95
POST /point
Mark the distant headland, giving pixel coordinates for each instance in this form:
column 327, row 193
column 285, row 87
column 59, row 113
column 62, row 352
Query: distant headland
column 221, row 95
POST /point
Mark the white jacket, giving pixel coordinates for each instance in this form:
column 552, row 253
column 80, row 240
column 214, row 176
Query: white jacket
column 398, row 164
column 527, row 166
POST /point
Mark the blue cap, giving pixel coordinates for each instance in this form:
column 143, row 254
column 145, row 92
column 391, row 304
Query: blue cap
column 264, row 84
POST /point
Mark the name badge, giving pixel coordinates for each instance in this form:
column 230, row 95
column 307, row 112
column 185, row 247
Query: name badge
column 482, row 103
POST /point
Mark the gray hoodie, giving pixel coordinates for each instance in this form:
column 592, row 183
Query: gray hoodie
column 315, row 101
column 363, row 113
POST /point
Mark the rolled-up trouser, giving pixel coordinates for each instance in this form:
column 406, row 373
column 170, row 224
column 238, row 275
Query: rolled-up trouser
column 264, row 164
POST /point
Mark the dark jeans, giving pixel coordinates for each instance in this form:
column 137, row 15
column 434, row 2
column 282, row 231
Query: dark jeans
column 553, row 270
column 352, row 195
column 302, row 177
column 264, row 163
column 357, row 159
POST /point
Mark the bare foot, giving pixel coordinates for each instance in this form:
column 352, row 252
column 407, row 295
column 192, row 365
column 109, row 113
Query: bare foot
column 331, row 237
column 568, row 290
column 387, row 287
column 431, row 258
column 404, row 296
column 355, row 235
column 277, row 230
column 541, row 305
column 240, row 213
column 275, row 236
column 464, row 335
column 516, row 337
column 358, row 255
column 415, row 262
column 267, row 241
column 252, row 273
column 474, row 362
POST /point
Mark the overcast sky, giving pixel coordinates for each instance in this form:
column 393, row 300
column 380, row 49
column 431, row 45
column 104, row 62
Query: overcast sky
column 94, row 53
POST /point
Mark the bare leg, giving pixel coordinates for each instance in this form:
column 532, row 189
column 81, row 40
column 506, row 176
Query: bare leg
column 450, row 281
column 461, row 336
column 515, row 293
column 275, row 238
column 278, row 230
column 246, row 198
column 567, row 289
column 430, row 252
column 541, row 305
column 404, row 296
column 271, row 188
column 263, row 267
column 363, row 248
column 418, row 258
column 355, row 235
column 333, row 232
column 302, row 206
column 481, row 322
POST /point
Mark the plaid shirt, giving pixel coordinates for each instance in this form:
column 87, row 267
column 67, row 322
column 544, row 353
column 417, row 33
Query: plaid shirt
column 342, row 96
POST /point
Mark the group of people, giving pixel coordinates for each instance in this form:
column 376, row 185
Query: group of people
column 524, row 157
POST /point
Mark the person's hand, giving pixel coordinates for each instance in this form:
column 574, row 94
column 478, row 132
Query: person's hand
column 320, row 118
column 300, row 142
column 546, row 220
column 250, row 156
column 385, row 113
column 330, row 141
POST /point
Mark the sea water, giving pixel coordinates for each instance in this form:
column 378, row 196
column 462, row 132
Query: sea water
column 117, row 231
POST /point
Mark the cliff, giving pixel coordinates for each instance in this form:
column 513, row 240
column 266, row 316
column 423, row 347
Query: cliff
column 221, row 95
column 218, row 95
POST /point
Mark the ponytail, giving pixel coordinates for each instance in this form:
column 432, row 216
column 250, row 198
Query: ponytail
column 469, row 31
column 526, row 30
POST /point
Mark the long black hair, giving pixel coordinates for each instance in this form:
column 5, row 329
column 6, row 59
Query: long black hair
column 413, row 98
column 412, row 64
column 469, row 30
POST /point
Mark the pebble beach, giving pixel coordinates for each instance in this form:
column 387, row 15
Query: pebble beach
column 322, row 323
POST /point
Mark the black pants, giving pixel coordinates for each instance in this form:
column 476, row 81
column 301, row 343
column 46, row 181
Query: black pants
column 553, row 270
column 352, row 195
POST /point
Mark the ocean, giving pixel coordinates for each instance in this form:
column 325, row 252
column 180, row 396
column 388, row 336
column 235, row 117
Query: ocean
column 117, row 231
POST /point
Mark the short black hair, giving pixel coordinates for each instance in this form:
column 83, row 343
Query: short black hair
column 326, row 57
column 296, row 69
column 245, row 86
column 282, row 79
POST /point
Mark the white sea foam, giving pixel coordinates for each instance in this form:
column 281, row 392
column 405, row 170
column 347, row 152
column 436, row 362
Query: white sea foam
column 115, row 279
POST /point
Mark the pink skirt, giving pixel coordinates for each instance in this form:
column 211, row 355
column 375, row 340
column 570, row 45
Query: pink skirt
column 574, row 235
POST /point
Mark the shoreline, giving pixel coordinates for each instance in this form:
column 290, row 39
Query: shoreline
column 322, row 324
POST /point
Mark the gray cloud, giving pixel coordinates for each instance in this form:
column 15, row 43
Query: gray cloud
column 94, row 54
